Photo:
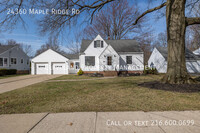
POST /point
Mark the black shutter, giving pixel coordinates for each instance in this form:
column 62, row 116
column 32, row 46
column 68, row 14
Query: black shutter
column 102, row 44
column 95, row 44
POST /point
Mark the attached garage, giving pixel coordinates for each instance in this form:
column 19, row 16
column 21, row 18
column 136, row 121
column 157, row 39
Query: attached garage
column 42, row 68
column 59, row 68
column 49, row 62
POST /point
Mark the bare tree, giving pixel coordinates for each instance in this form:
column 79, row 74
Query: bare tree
column 115, row 21
column 145, row 39
column 75, row 44
column 25, row 47
column 176, row 26
column 52, row 43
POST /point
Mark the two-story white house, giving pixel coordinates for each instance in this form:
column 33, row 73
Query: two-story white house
column 13, row 57
column 111, row 56
column 108, row 57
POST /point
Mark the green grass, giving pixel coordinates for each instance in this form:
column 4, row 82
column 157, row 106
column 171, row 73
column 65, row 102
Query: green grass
column 66, row 77
column 9, row 76
column 117, row 94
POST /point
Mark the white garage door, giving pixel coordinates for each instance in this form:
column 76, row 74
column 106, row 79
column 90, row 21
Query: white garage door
column 59, row 68
column 42, row 68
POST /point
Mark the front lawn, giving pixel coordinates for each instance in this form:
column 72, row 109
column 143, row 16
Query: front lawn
column 66, row 77
column 117, row 94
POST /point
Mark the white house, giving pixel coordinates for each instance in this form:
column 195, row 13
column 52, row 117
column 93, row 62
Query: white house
column 52, row 62
column 111, row 56
column 158, row 60
column 13, row 57
column 108, row 57
column 197, row 51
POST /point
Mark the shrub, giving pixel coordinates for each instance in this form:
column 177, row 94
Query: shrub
column 7, row 72
column 11, row 72
column 3, row 72
column 80, row 72
column 150, row 71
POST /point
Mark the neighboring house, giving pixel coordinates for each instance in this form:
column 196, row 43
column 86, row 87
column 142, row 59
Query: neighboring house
column 52, row 62
column 158, row 60
column 96, row 56
column 197, row 51
column 13, row 57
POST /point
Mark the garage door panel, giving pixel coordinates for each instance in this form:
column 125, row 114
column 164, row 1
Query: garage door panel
column 59, row 68
column 42, row 68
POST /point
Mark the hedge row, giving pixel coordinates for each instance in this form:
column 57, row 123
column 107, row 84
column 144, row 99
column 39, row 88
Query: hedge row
column 7, row 72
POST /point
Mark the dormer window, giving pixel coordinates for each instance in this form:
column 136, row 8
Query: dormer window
column 98, row 44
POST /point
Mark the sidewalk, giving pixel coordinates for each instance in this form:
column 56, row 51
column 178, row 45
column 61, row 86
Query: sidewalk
column 102, row 122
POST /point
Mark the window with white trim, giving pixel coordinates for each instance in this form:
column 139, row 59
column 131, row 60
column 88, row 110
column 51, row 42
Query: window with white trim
column 128, row 59
column 90, row 60
column 98, row 44
column 1, row 61
column 13, row 61
column 5, row 62
column 109, row 60
column 22, row 61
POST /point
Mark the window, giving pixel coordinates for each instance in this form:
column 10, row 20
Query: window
column 90, row 60
column 5, row 61
column 13, row 61
column 102, row 44
column 129, row 59
column 22, row 61
column 98, row 44
column 109, row 60
column 41, row 66
column 27, row 62
column 77, row 65
column 71, row 65
column 1, row 61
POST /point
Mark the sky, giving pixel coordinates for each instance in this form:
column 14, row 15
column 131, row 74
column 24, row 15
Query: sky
column 31, row 36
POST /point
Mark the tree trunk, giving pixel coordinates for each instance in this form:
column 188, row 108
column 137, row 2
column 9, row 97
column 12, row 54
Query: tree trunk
column 176, row 26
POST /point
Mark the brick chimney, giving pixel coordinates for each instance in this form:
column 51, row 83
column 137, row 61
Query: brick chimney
column 108, row 37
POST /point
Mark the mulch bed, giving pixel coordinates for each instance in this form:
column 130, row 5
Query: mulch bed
column 183, row 88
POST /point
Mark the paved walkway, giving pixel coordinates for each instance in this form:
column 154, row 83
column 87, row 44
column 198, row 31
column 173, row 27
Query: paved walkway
column 102, row 122
column 9, row 84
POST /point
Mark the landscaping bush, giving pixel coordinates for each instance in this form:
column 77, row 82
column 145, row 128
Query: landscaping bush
column 80, row 72
column 7, row 72
column 150, row 71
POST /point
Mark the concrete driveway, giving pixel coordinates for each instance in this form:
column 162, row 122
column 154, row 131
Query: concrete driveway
column 9, row 84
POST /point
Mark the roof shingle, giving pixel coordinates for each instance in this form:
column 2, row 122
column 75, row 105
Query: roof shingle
column 118, row 45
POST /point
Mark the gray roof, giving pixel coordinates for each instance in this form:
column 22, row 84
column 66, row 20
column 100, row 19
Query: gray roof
column 71, row 56
column 188, row 54
column 4, row 48
column 118, row 45
column 68, row 56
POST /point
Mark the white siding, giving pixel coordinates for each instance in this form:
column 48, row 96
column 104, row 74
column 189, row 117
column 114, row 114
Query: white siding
column 137, row 62
column 109, row 51
column 49, row 57
column 91, row 51
column 158, row 61
column 161, row 64
column 17, row 53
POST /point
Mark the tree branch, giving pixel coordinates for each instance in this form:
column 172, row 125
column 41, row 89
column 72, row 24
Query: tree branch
column 192, row 21
column 149, row 11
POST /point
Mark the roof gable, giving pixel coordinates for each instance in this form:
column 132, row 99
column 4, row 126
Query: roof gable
column 4, row 48
column 118, row 45
column 188, row 54
column 49, row 55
